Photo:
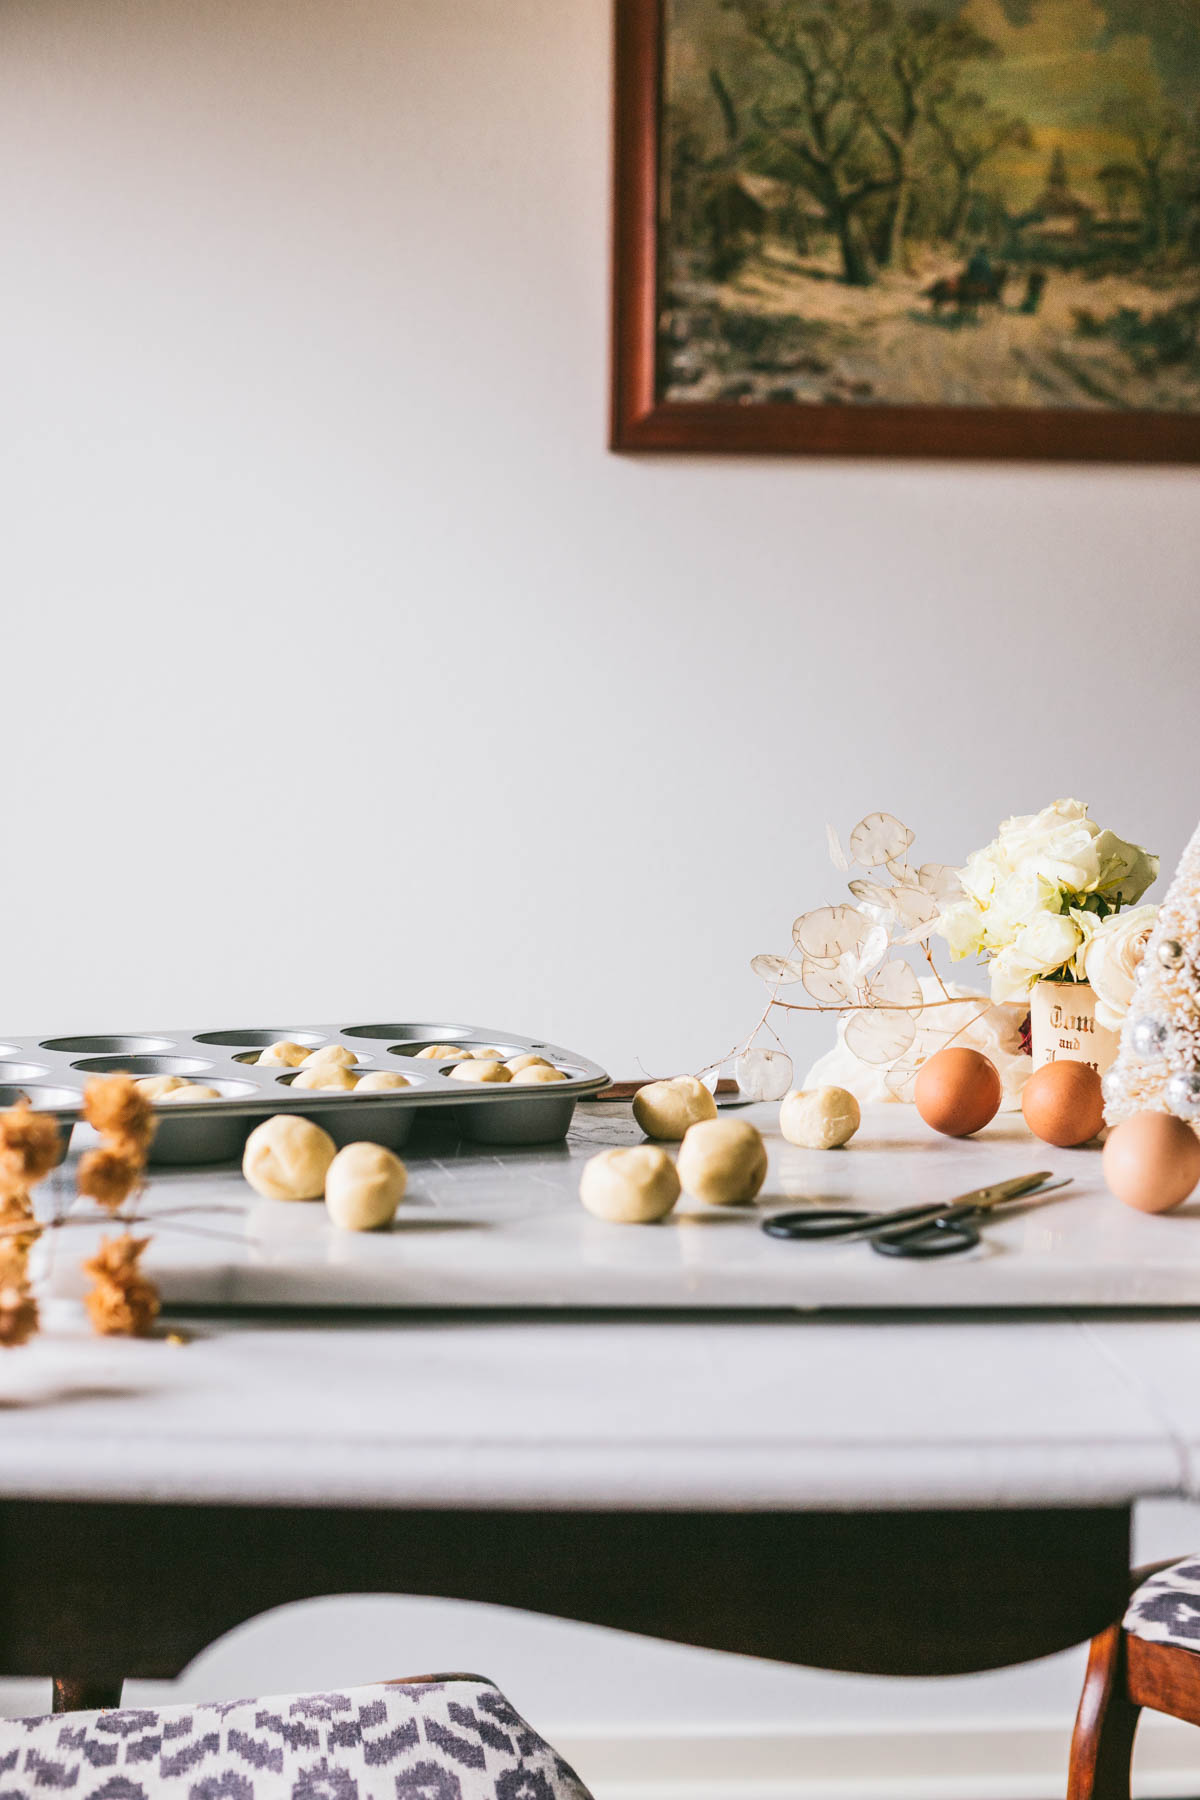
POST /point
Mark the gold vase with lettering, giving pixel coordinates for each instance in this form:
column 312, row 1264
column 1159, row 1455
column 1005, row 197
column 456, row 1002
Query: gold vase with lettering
column 1063, row 1028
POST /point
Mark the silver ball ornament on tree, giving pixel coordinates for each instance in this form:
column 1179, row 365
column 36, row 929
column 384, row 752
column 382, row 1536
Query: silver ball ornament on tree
column 1149, row 1036
column 1182, row 1095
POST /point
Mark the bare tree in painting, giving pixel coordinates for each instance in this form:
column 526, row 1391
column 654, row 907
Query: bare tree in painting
column 822, row 136
column 970, row 134
column 919, row 61
column 1156, row 135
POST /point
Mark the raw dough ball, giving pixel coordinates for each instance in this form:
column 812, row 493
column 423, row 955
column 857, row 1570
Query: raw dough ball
column 283, row 1055
column 379, row 1080
column 528, row 1061
column 286, row 1158
column 485, row 1053
column 330, row 1053
column 819, row 1118
column 440, row 1052
column 630, row 1187
column 722, row 1161
column 666, row 1109
column 191, row 1090
column 536, row 1075
column 480, row 1071
column 156, row 1087
column 325, row 1075
column 364, row 1186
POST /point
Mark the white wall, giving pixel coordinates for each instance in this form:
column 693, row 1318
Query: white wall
column 344, row 673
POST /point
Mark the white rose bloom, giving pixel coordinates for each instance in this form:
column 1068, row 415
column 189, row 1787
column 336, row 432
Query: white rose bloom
column 1046, row 943
column 1110, row 957
column 1025, row 838
column 984, row 869
column 962, row 927
column 1012, row 976
column 1018, row 898
column 1126, row 870
column 1068, row 858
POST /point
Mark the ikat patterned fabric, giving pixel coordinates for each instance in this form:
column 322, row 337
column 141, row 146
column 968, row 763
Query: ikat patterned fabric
column 446, row 1738
column 1166, row 1608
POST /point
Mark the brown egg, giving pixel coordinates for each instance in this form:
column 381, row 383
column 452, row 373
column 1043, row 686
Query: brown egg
column 958, row 1091
column 1063, row 1103
column 1152, row 1161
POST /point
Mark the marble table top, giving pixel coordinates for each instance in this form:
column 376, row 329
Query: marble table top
column 504, row 1228
column 792, row 1409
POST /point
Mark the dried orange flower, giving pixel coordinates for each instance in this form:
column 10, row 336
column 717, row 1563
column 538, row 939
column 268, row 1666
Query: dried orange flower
column 122, row 1302
column 18, row 1317
column 109, row 1176
column 14, row 1263
column 16, row 1213
column 29, row 1147
column 118, row 1111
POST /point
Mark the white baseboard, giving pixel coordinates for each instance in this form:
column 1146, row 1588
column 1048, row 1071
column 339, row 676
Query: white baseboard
column 1024, row 1761
column 983, row 1759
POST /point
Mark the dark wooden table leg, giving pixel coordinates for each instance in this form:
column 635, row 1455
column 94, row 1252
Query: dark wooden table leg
column 85, row 1696
column 143, row 1588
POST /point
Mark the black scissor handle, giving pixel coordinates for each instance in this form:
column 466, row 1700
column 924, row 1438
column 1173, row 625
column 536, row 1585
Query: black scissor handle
column 938, row 1237
column 826, row 1222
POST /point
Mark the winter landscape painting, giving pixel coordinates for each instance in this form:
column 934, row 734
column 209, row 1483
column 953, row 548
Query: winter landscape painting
column 929, row 204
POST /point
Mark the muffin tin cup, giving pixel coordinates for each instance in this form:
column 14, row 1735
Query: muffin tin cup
column 213, row 1131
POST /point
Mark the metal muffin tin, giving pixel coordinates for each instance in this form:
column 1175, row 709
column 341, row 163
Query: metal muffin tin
column 53, row 1071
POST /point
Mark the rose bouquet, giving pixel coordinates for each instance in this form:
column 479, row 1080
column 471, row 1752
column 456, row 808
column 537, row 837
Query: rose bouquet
column 1044, row 901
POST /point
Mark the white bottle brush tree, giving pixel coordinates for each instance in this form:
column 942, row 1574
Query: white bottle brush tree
column 1158, row 1063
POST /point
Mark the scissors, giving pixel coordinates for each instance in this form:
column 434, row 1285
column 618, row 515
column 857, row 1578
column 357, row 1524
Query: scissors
column 917, row 1231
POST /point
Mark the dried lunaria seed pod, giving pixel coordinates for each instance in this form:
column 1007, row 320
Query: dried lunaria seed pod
column 778, row 970
column 830, row 931
column 877, row 1036
column 879, row 838
column 29, row 1147
column 122, row 1303
column 113, row 1105
column 109, row 1176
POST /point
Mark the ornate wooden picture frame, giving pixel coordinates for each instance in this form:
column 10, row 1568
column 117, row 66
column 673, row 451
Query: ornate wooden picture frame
column 991, row 270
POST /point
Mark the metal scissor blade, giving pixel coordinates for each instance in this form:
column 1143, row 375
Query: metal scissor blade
column 998, row 1192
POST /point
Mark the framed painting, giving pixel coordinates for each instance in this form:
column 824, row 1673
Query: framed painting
column 961, row 228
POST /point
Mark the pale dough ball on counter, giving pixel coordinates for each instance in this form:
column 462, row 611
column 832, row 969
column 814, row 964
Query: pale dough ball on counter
column 191, row 1090
column 325, row 1075
column 440, row 1052
column 722, row 1161
column 536, row 1075
column 283, row 1055
column 819, row 1118
column 380, row 1081
column 363, row 1187
column 156, row 1087
column 480, row 1071
column 666, row 1109
column 630, row 1187
column 527, row 1061
column 330, row 1053
column 286, row 1158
